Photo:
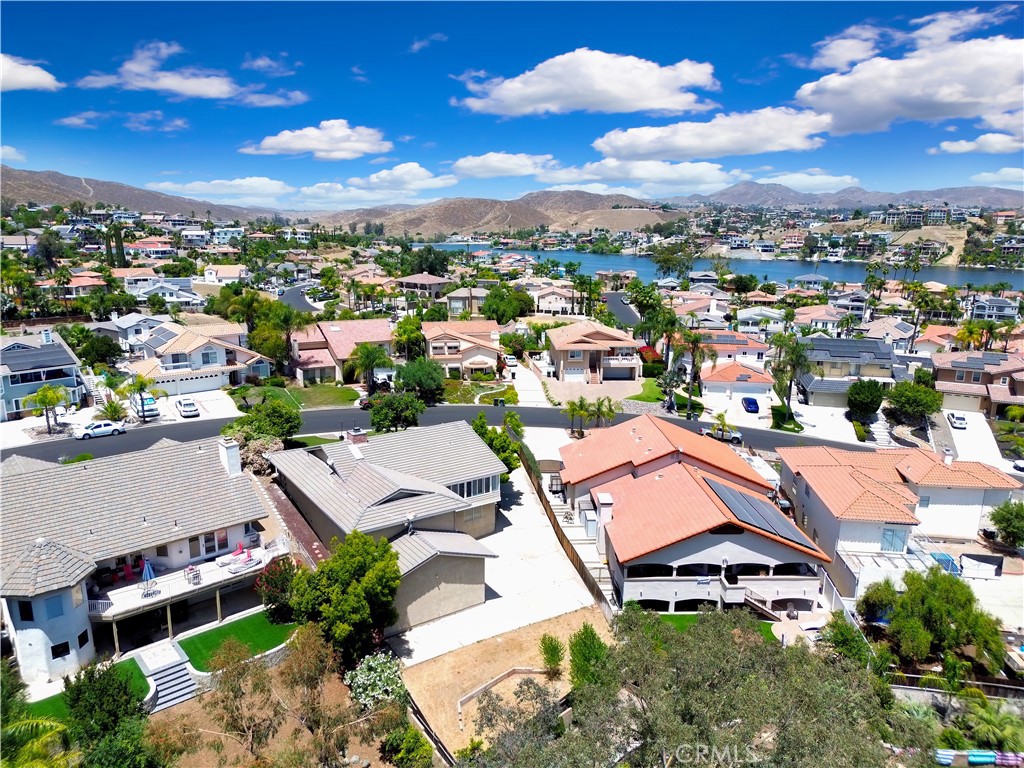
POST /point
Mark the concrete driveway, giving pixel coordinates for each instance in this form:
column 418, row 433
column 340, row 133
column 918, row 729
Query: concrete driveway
column 976, row 443
column 531, row 580
column 527, row 385
column 818, row 421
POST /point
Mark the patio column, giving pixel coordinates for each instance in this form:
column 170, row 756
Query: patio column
column 117, row 645
column 219, row 617
column 170, row 629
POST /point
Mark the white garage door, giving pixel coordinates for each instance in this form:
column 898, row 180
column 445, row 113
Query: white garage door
column 716, row 388
column 192, row 384
column 747, row 388
column 953, row 402
column 829, row 399
column 575, row 374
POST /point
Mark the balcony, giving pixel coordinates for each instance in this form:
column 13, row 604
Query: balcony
column 172, row 586
column 621, row 361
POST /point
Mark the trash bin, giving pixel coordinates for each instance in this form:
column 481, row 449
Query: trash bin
column 513, row 375
column 500, row 401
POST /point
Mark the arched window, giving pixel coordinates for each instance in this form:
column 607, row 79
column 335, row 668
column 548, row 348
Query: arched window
column 209, row 355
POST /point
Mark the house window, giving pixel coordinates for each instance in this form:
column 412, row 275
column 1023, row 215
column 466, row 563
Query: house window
column 25, row 612
column 575, row 354
column 976, row 377
column 54, row 607
column 77, row 596
column 83, row 638
column 807, row 490
column 1004, row 380
column 894, row 540
column 473, row 515
column 924, row 502
column 161, row 551
column 60, row 650
column 960, row 375
column 193, row 548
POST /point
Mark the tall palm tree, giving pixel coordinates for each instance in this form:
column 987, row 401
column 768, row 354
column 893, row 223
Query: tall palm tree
column 289, row 320
column 700, row 353
column 38, row 742
column 47, row 398
column 62, row 279
column 970, row 335
column 1007, row 327
column 572, row 410
column 139, row 387
column 604, row 411
column 791, row 362
column 409, row 339
column 246, row 308
column 846, row 323
column 367, row 358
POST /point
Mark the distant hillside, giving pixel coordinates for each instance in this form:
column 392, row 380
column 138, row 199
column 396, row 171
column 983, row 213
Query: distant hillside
column 52, row 188
column 748, row 193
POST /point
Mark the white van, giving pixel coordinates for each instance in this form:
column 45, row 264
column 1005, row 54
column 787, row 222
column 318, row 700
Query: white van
column 145, row 406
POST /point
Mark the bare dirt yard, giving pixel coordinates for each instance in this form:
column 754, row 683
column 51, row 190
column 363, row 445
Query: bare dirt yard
column 438, row 684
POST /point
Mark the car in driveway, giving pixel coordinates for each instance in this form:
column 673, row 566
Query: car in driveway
column 187, row 408
column 957, row 420
column 365, row 404
column 728, row 435
column 98, row 429
column 510, row 361
column 750, row 405
column 1018, row 465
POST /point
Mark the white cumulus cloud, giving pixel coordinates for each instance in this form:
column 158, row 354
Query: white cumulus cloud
column 647, row 178
column 840, row 52
column 408, row 177
column 1004, row 177
column 17, row 74
column 774, row 129
column 939, row 28
column 987, row 144
column 9, row 154
column 330, row 140
column 327, row 194
column 811, row 180
column 494, row 164
column 144, row 71
column 251, row 190
column 585, row 80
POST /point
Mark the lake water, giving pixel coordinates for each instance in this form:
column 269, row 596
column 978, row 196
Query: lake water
column 772, row 270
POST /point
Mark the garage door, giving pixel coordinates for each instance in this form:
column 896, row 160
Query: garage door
column 575, row 374
column 618, row 373
column 829, row 399
column 746, row 388
column 716, row 388
column 953, row 402
column 192, row 384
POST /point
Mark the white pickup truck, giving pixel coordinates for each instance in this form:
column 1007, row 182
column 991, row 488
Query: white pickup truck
column 729, row 435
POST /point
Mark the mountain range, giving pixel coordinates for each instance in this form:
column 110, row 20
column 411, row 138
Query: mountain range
column 566, row 210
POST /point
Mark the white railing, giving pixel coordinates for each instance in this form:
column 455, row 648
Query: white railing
column 621, row 360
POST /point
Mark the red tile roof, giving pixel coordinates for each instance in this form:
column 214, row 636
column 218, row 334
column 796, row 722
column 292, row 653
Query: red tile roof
column 734, row 372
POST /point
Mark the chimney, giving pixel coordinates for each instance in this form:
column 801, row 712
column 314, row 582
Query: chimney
column 604, row 516
column 114, row 314
column 948, row 459
column 230, row 457
column 495, row 337
column 47, row 336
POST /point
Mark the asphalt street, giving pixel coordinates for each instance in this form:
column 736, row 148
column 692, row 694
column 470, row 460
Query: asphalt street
column 294, row 297
column 327, row 420
column 624, row 313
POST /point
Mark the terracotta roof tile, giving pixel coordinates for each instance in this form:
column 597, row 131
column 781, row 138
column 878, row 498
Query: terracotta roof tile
column 736, row 372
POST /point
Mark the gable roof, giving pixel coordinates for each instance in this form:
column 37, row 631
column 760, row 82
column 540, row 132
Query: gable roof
column 587, row 334
column 676, row 503
column 418, row 547
column 29, row 353
column 644, row 439
column 736, row 372
column 16, row 464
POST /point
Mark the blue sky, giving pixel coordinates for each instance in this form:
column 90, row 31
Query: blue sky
column 326, row 106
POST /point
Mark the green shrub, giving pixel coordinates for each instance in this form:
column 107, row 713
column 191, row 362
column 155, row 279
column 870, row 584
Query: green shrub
column 587, row 652
column 274, row 586
column 653, row 370
column 76, row 459
column 454, row 374
column 274, row 381
column 407, row 748
column 860, row 431
column 552, row 650
column 482, row 376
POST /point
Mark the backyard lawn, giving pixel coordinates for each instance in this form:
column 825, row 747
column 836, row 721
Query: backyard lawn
column 255, row 631
column 683, row 621
column 55, row 708
column 317, row 396
column 308, row 441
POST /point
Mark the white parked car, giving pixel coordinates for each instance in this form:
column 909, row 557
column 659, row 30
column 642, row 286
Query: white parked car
column 187, row 408
column 510, row 361
column 957, row 420
column 98, row 429
column 1018, row 465
column 729, row 435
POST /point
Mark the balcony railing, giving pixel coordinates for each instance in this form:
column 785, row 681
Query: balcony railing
column 621, row 361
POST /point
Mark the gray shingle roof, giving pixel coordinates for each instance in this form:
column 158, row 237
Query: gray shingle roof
column 119, row 505
column 16, row 464
column 44, row 567
column 417, row 547
column 854, row 350
column 812, row 383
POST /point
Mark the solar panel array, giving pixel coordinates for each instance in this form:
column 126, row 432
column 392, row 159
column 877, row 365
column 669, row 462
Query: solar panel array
column 759, row 513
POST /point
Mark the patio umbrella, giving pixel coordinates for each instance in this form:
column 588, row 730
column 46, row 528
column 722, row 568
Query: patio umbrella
column 147, row 571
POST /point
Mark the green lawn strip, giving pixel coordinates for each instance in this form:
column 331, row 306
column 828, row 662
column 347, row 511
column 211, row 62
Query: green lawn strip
column 683, row 621
column 258, row 394
column 779, row 422
column 509, row 393
column 324, row 395
column 308, row 442
column 255, row 631
column 55, row 708
column 651, row 393
column 459, row 392
column 681, row 401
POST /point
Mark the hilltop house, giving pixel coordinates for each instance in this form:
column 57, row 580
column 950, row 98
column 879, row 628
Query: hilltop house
column 979, row 381
column 30, row 362
column 864, row 509
column 392, row 486
column 321, row 351
column 591, row 352
column 62, row 564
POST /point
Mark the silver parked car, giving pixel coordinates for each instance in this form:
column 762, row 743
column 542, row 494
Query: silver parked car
column 98, row 429
column 187, row 408
column 957, row 420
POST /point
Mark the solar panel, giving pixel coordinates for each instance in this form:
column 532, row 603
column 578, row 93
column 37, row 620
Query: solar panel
column 759, row 513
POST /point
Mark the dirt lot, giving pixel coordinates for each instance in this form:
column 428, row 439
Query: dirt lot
column 337, row 693
column 438, row 684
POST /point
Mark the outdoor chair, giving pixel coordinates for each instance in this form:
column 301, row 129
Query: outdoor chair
column 233, row 558
column 246, row 565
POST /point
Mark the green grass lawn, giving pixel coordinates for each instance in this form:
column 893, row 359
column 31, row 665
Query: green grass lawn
column 257, row 394
column 255, row 631
column 779, row 422
column 308, row 442
column 683, row 621
column 682, row 400
column 509, row 393
column 54, row 707
column 652, row 394
column 324, row 395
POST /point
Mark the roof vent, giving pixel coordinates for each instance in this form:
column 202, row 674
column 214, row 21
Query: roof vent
column 658, row 476
column 40, row 540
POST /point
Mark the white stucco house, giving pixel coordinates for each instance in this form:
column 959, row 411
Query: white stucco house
column 223, row 274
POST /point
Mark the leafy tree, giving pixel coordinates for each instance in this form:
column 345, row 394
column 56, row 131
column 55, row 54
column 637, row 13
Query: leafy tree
column 503, row 304
column 925, row 378
column 864, row 398
column 424, row 377
column 100, row 349
column 500, row 443
column 587, row 652
column 274, row 418
column 157, row 304
column 436, row 313
column 366, row 359
column 395, row 411
column 46, row 399
column 126, row 747
column 844, row 639
column 1008, row 520
column 407, row 748
column 270, row 342
column 552, row 650
column 744, row 283
column 99, row 698
column 878, row 600
column 350, row 595
column 913, row 402
column 243, row 703
column 274, row 586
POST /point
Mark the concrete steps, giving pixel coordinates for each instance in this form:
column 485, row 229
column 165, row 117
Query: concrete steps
column 96, row 389
column 880, row 432
column 173, row 686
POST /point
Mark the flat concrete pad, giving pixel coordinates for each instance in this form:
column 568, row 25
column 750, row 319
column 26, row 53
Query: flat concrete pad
column 530, row 580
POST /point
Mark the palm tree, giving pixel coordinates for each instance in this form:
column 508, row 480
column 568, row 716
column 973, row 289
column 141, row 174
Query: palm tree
column 969, row 335
column 790, row 363
column 989, row 328
column 1007, row 327
column 367, row 358
column 246, row 308
column 112, row 410
column 409, row 339
column 604, row 411
column 994, row 727
column 41, row 741
column 700, row 353
column 47, row 398
column 62, row 279
column 289, row 320
column 846, row 323
column 1015, row 413
column 572, row 410
column 139, row 387
column 722, row 423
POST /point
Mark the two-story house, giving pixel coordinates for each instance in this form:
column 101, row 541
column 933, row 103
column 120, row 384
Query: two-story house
column 729, row 346
column 183, row 360
column 591, row 352
column 819, row 317
column 994, row 308
column 840, row 362
column 130, row 330
column 223, row 274
column 223, row 235
column 424, row 285
column 464, row 346
column 864, row 509
column 854, row 302
column 72, row 579
column 468, row 299
column 760, row 322
column 30, row 362
column 890, row 330
column 321, row 351
column 979, row 381
column 393, row 486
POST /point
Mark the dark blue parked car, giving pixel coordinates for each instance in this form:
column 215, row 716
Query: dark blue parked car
column 750, row 405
